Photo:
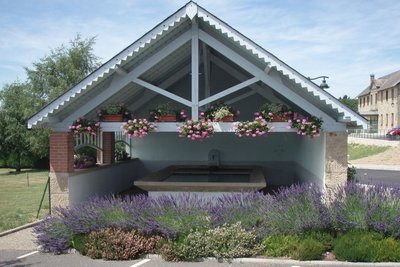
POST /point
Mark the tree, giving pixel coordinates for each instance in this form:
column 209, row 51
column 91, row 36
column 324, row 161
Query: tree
column 16, row 104
column 51, row 76
column 350, row 102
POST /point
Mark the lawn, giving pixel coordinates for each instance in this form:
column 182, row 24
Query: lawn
column 357, row 151
column 18, row 201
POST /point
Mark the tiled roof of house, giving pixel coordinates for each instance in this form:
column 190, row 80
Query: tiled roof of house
column 383, row 82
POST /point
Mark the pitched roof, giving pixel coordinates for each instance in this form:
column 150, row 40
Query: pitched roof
column 383, row 83
column 169, row 30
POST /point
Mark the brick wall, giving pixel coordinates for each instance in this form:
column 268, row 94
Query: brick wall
column 108, row 147
column 61, row 152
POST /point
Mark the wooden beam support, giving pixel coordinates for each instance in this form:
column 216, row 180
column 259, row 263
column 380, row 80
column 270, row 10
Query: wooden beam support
column 268, row 94
column 119, row 82
column 240, row 97
column 229, row 91
column 162, row 92
column 207, row 74
column 195, row 70
column 267, row 79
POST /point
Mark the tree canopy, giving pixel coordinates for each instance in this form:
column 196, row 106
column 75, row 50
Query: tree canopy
column 350, row 102
column 49, row 77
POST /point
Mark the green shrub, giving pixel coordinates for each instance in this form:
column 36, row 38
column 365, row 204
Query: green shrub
column 363, row 246
column 227, row 241
column 78, row 242
column 118, row 244
column 280, row 245
column 308, row 249
column 308, row 246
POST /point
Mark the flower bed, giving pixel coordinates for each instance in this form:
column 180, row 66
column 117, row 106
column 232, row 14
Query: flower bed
column 296, row 222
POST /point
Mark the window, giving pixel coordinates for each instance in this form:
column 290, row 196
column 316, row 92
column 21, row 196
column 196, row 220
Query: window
column 392, row 93
column 387, row 95
column 381, row 96
column 376, row 98
column 381, row 120
column 392, row 119
column 387, row 118
column 367, row 100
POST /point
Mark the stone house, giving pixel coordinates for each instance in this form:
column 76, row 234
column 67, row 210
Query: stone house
column 194, row 59
column 379, row 103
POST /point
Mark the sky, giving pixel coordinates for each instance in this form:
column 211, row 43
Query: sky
column 346, row 40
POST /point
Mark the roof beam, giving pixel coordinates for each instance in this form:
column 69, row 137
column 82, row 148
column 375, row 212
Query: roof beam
column 270, row 81
column 162, row 92
column 239, row 75
column 206, row 66
column 119, row 82
column 229, row 91
column 195, row 70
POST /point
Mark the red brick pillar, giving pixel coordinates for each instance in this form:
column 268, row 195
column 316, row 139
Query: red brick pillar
column 61, row 165
column 108, row 147
column 61, row 152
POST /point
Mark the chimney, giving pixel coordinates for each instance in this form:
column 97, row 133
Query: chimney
column 372, row 78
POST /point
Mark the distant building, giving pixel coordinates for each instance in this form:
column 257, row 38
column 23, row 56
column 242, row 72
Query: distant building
column 379, row 103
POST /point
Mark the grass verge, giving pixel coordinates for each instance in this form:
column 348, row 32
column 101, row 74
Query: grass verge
column 357, row 151
column 18, row 201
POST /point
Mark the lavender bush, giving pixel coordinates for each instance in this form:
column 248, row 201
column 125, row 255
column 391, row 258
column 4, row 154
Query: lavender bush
column 296, row 210
column 173, row 215
column 362, row 207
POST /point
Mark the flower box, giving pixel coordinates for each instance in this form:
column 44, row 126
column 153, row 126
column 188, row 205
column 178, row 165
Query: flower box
column 113, row 118
column 228, row 118
column 167, row 118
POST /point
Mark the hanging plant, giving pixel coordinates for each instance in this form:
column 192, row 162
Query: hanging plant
column 307, row 126
column 83, row 125
column 196, row 130
column 107, row 112
column 258, row 127
column 138, row 128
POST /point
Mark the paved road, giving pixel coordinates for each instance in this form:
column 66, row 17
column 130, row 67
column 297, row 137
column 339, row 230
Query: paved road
column 9, row 258
column 378, row 176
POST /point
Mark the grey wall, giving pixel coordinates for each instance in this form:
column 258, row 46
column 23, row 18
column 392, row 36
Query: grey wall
column 311, row 159
column 102, row 181
column 277, row 153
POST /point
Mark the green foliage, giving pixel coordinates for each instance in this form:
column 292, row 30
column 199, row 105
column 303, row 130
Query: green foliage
column 363, row 246
column 78, row 242
column 280, row 245
column 64, row 67
column 357, row 151
column 351, row 173
column 117, row 244
column 350, row 102
column 309, row 249
column 309, row 246
column 227, row 241
column 49, row 77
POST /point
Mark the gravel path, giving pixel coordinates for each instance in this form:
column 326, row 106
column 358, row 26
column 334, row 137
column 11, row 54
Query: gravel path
column 21, row 240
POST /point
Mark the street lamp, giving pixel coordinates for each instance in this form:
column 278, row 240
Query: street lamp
column 323, row 84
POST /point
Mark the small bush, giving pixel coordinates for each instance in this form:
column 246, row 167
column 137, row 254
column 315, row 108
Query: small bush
column 53, row 235
column 308, row 249
column 309, row 246
column 227, row 241
column 363, row 246
column 297, row 210
column 118, row 244
column 280, row 245
column 180, row 214
column 78, row 242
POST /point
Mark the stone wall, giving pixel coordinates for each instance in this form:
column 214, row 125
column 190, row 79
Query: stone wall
column 335, row 159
